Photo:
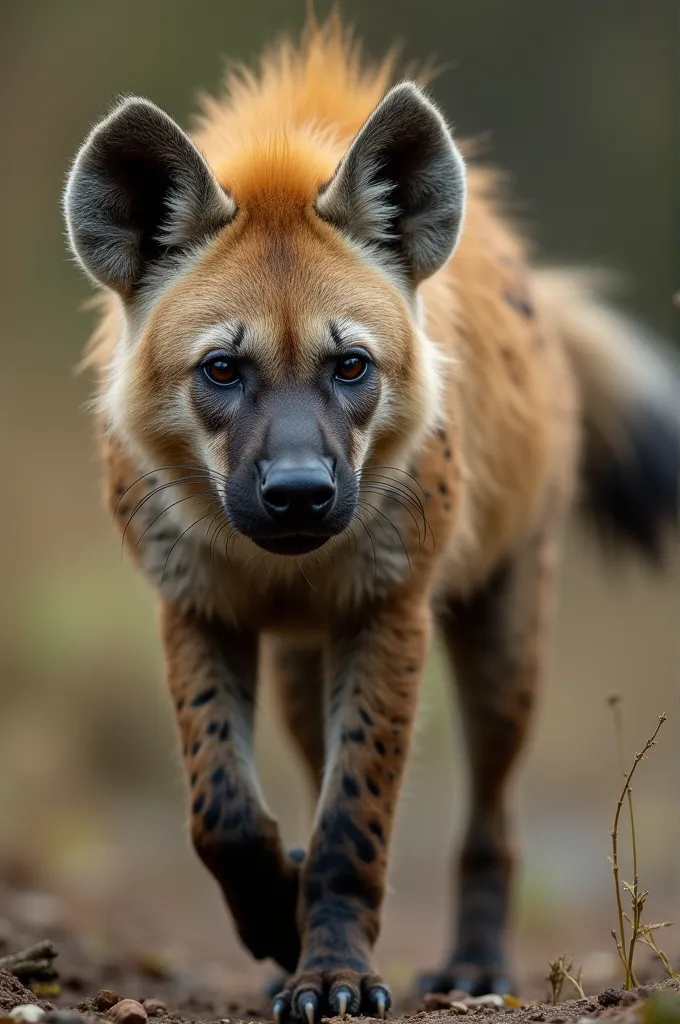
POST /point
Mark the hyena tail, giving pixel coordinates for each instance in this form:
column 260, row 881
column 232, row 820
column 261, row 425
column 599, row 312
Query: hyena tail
column 630, row 410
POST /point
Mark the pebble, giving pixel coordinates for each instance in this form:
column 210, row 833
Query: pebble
column 458, row 1007
column 64, row 1017
column 155, row 1007
column 538, row 1015
column 609, row 997
column 128, row 1011
column 628, row 998
column 436, row 1001
column 27, row 1013
column 105, row 999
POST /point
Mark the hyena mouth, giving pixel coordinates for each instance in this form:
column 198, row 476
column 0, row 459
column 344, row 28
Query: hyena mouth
column 298, row 544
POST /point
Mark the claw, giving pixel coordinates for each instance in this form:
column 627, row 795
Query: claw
column 308, row 1006
column 342, row 998
column 278, row 1010
column 381, row 999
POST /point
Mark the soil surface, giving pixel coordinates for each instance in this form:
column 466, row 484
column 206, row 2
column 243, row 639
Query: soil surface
column 84, row 979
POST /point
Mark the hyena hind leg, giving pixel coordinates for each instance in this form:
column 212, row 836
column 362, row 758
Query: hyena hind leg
column 298, row 678
column 496, row 641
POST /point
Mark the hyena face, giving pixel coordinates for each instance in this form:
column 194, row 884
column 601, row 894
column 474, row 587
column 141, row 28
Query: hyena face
column 269, row 325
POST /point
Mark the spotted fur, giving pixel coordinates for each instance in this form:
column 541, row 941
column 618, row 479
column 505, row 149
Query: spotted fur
column 311, row 211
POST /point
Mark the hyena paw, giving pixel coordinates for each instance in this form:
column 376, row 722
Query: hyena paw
column 266, row 920
column 473, row 979
column 333, row 992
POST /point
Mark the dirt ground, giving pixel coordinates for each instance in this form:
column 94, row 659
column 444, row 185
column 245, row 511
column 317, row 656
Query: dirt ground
column 91, row 987
column 190, row 989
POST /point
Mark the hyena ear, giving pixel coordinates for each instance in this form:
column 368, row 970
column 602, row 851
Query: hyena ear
column 138, row 192
column 400, row 188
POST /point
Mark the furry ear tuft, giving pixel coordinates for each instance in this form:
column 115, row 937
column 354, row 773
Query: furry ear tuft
column 138, row 191
column 400, row 188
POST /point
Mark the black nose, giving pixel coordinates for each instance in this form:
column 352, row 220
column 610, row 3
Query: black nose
column 297, row 491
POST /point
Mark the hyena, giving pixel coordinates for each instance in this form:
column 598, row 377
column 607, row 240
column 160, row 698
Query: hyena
column 320, row 428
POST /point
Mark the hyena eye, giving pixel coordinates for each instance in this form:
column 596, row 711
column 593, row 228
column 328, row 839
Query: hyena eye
column 220, row 370
column 351, row 368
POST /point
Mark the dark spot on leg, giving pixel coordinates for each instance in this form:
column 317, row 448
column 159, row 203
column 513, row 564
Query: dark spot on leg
column 198, row 803
column 212, row 815
column 372, row 786
column 443, row 489
column 380, row 747
column 224, row 732
column 447, row 453
column 217, row 776
column 193, row 779
column 204, row 697
column 349, row 786
column 212, row 728
column 376, row 828
column 365, row 717
column 196, row 747
column 353, row 735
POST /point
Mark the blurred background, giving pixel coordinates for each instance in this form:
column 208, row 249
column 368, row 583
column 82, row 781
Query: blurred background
column 577, row 103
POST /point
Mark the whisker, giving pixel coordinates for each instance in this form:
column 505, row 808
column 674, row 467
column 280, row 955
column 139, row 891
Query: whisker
column 304, row 576
column 165, row 469
column 375, row 489
column 167, row 509
column 184, row 532
column 152, row 493
column 358, row 518
column 401, row 539
column 394, row 469
column 402, row 488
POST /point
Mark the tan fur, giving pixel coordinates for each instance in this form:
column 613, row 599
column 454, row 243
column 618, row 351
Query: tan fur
column 478, row 426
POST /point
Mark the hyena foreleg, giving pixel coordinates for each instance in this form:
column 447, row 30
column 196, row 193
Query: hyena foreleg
column 212, row 672
column 373, row 672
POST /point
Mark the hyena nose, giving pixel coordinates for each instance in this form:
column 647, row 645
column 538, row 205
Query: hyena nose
column 296, row 492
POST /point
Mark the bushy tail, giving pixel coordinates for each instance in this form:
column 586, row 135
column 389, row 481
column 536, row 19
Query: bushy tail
column 630, row 395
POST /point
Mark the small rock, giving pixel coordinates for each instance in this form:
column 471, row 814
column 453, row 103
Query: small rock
column 105, row 999
column 458, row 1007
column 155, row 1007
column 27, row 1013
column 609, row 997
column 558, row 1020
column 628, row 998
column 128, row 1011
column 64, row 1017
column 537, row 1015
column 436, row 1001
column 489, row 1000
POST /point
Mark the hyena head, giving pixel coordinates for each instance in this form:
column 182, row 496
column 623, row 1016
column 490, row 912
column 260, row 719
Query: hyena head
column 269, row 305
